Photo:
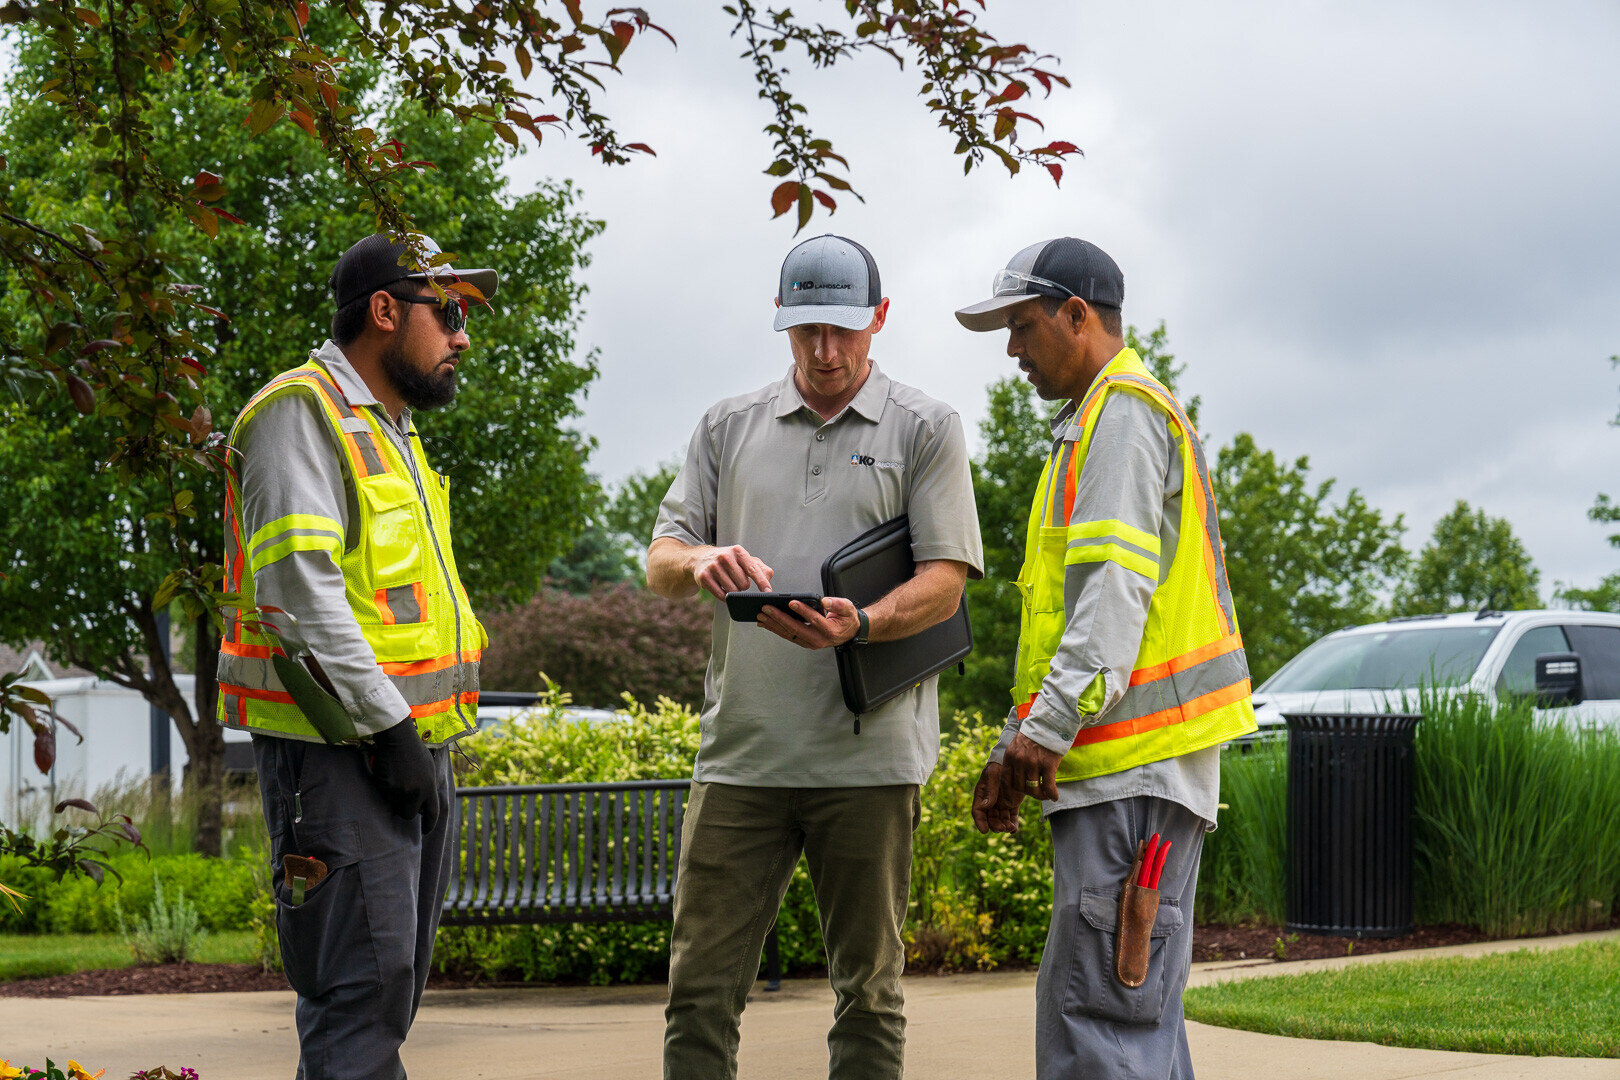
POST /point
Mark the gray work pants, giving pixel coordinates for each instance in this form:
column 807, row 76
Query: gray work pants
column 357, row 949
column 738, row 849
column 1088, row 1025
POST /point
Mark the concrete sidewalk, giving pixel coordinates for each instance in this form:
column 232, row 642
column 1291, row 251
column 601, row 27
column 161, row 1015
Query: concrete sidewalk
column 966, row 1026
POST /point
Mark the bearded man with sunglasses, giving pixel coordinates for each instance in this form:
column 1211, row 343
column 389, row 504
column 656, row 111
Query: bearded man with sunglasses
column 353, row 656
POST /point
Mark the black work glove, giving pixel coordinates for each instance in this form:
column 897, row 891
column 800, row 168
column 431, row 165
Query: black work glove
column 403, row 768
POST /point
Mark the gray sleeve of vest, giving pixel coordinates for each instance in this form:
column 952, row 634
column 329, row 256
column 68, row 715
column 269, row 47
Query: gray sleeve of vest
column 1124, row 478
column 289, row 465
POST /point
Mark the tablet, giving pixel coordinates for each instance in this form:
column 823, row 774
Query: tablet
column 746, row 606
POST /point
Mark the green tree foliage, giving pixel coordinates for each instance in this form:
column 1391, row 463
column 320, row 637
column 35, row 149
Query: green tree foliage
column 1016, row 439
column 1604, row 596
column 612, row 547
column 85, row 548
column 1300, row 563
column 1471, row 561
column 1154, row 349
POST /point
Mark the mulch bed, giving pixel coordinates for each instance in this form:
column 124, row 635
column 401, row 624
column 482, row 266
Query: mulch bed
column 1211, row 941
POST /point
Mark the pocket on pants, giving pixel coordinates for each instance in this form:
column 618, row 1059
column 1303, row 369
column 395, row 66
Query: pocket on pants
column 1094, row 989
column 326, row 940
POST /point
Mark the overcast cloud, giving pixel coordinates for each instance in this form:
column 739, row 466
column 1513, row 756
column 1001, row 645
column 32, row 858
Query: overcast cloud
column 1381, row 236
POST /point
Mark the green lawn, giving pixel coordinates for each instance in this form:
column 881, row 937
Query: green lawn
column 31, row 956
column 1556, row 1002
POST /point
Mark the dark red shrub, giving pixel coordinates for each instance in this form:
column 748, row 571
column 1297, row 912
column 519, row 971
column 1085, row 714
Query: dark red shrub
column 599, row 645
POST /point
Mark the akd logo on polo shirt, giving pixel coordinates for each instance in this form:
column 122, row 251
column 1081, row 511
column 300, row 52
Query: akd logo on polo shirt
column 874, row 463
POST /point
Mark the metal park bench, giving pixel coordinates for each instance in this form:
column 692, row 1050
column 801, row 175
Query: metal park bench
column 558, row 853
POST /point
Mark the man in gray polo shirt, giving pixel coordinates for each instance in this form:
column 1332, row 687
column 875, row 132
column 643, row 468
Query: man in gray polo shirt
column 775, row 481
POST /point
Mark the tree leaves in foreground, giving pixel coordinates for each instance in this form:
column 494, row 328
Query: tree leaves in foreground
column 1472, row 561
column 117, row 327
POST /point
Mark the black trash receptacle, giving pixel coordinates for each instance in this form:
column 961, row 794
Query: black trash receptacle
column 1350, row 793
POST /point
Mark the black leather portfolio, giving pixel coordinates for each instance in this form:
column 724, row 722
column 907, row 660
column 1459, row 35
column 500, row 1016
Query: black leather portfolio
column 864, row 570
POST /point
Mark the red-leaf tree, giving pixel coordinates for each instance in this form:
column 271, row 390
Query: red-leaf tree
column 108, row 320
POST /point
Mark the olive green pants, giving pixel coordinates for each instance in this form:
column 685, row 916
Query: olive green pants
column 739, row 846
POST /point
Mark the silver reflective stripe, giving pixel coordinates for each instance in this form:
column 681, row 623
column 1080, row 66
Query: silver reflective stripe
column 353, row 424
column 401, row 600
column 1173, row 691
column 424, row 689
column 437, row 685
column 1102, row 541
column 248, row 671
column 1212, row 525
column 367, row 443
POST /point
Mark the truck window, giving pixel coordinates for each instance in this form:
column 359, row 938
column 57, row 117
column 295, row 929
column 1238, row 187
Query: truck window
column 1599, row 649
column 1519, row 673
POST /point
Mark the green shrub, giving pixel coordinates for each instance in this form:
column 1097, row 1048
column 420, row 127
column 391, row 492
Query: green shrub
column 168, row 933
column 975, row 901
column 222, row 890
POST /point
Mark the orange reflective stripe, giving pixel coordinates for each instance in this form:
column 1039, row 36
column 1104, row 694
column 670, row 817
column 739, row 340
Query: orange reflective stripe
column 253, row 692
column 1023, row 710
column 1230, row 643
column 425, row 667
column 444, row 705
column 1139, row 725
column 384, row 610
column 252, row 652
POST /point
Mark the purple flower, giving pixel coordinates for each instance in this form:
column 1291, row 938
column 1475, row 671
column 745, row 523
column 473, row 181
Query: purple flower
column 188, row 1074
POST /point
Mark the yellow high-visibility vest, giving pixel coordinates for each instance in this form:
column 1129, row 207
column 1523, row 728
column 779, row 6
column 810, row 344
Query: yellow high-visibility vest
column 400, row 578
column 1189, row 686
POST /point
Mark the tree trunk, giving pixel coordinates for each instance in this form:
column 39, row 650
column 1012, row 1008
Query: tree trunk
column 206, row 776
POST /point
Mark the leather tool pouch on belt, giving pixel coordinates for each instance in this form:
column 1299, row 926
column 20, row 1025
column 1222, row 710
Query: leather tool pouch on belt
column 1138, row 907
column 302, row 874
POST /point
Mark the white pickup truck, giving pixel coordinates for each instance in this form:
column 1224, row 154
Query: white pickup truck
column 1381, row 666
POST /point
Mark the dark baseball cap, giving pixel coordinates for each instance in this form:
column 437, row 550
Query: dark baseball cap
column 828, row 279
column 374, row 263
column 1058, row 268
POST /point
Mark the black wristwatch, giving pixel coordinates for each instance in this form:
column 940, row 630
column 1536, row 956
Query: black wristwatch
column 862, row 630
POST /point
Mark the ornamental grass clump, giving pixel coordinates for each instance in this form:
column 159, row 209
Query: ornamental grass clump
column 168, row 933
column 1241, row 874
column 1518, row 817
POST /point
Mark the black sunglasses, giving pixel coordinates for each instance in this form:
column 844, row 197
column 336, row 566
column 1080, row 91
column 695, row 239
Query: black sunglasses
column 453, row 311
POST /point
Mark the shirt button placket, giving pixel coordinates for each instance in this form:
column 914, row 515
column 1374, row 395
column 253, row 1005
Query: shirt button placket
column 816, row 483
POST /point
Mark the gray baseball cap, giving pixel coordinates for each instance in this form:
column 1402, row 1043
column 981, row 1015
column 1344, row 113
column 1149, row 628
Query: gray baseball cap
column 828, row 279
column 1058, row 268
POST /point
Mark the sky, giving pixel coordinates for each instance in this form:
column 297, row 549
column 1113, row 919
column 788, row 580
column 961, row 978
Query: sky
column 1382, row 235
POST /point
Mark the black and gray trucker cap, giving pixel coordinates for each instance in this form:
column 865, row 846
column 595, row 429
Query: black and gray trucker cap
column 374, row 263
column 1058, row 268
column 829, row 279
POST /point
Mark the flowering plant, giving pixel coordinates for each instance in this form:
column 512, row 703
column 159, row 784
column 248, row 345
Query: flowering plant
column 75, row 1071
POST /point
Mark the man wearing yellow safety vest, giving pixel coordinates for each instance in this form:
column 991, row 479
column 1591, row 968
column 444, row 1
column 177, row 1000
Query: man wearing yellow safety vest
column 1130, row 672
column 353, row 656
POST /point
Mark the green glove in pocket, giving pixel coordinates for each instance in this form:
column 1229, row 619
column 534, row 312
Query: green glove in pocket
column 325, row 712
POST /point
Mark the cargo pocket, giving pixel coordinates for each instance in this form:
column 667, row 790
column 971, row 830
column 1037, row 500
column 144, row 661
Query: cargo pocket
column 393, row 539
column 326, row 940
column 1094, row 988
